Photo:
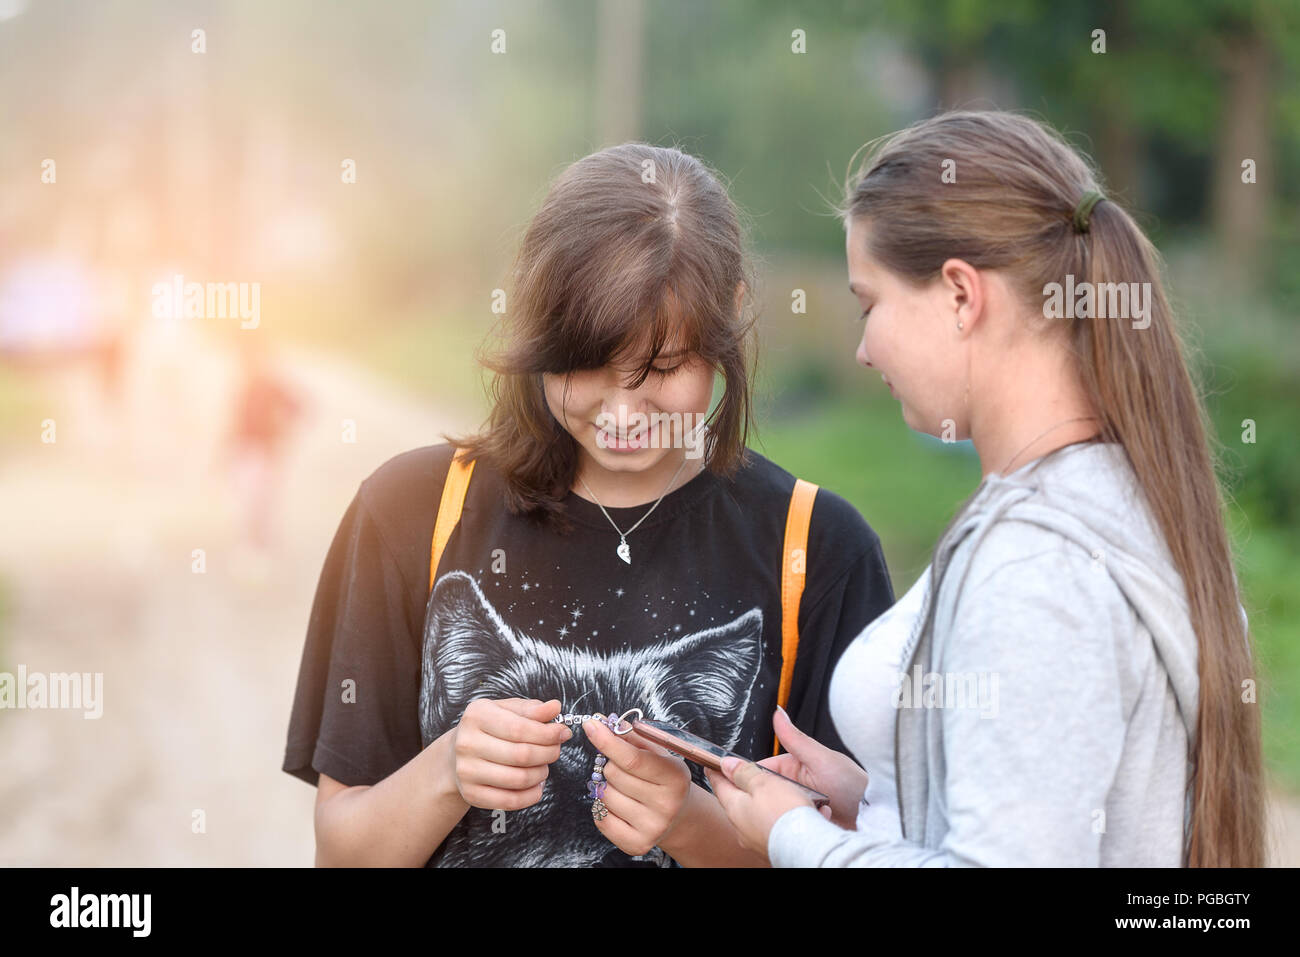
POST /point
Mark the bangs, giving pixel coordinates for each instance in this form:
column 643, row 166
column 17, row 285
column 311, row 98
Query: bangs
column 609, row 326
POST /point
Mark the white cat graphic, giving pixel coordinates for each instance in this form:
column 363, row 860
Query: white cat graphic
column 701, row 682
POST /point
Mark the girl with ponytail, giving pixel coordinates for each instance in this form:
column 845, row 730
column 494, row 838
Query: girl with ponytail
column 1068, row 674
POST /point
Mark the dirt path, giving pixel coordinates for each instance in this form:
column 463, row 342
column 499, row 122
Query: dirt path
column 199, row 669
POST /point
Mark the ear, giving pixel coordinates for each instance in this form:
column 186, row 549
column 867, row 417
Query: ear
column 703, row 681
column 965, row 292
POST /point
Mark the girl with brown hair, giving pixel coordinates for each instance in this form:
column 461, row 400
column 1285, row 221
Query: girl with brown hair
column 619, row 547
column 1069, row 675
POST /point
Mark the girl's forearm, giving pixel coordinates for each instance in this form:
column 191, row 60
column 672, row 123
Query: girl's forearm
column 704, row 837
column 398, row 822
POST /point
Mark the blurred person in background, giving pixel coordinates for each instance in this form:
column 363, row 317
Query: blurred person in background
column 266, row 407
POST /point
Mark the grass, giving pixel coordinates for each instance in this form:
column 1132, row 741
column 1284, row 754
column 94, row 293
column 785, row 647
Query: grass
column 1270, row 572
column 906, row 485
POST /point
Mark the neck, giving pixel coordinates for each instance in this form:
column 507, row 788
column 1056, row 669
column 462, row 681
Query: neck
column 627, row 489
column 1036, row 410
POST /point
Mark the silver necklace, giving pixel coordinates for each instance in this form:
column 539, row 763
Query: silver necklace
column 623, row 551
column 1082, row 418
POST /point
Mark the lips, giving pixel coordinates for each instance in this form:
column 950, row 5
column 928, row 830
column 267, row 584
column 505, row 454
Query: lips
column 634, row 440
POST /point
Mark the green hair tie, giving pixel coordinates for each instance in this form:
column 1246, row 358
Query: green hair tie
column 1084, row 210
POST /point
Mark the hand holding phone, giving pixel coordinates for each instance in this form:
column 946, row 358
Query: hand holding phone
column 694, row 748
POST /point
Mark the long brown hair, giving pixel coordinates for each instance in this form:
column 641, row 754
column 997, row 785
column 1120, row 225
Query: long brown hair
column 634, row 247
column 1011, row 207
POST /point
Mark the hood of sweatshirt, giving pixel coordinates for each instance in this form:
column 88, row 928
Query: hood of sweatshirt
column 1088, row 493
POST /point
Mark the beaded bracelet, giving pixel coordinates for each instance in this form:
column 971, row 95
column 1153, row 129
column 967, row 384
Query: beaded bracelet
column 596, row 786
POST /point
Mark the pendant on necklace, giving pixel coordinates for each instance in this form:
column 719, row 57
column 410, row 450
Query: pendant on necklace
column 623, row 551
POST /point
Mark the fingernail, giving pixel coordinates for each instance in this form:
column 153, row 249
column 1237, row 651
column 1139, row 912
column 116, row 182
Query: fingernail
column 782, row 710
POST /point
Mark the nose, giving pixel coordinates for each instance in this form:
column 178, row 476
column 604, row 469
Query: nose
column 862, row 353
column 619, row 393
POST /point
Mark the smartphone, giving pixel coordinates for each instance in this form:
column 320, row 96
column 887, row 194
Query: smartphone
column 694, row 748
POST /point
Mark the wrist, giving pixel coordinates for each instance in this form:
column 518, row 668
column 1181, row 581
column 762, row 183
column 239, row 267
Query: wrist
column 443, row 785
column 679, row 837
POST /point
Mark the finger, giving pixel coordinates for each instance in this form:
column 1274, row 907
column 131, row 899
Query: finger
column 648, row 783
column 484, row 773
column 785, row 763
column 516, row 754
column 745, row 775
column 531, row 707
column 544, row 710
column 625, row 807
column 791, row 738
column 510, row 726
column 726, row 792
column 486, row 796
column 645, row 744
column 626, row 755
column 618, row 830
column 518, row 705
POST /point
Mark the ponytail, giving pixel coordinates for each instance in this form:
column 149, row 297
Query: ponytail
column 1135, row 373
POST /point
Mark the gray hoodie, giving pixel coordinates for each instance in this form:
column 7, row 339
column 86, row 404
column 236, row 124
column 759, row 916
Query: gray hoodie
column 1055, row 589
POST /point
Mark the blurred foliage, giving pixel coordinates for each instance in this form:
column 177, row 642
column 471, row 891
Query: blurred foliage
column 1262, row 474
column 24, row 403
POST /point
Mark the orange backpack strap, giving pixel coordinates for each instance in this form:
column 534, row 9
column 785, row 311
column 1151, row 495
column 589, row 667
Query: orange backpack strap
column 453, row 497
column 794, row 561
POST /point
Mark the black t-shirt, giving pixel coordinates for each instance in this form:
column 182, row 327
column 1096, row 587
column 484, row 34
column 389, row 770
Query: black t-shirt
column 690, row 632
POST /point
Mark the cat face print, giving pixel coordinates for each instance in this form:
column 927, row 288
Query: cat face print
column 701, row 682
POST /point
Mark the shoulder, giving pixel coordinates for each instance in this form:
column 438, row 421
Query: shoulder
column 408, row 477
column 1012, row 541
column 838, row 535
column 771, row 485
column 1035, row 581
column 1016, row 550
column 401, row 497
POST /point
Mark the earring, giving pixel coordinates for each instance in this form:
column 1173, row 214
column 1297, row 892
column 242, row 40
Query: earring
column 960, row 327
